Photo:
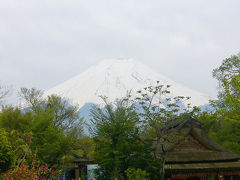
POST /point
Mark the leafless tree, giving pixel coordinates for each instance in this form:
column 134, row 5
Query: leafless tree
column 4, row 93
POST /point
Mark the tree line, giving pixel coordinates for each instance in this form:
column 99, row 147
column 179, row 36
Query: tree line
column 124, row 136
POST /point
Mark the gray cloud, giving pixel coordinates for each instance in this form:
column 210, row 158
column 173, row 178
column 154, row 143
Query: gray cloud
column 43, row 43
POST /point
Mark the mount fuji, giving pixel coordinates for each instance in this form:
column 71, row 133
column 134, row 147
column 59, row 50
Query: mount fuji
column 113, row 78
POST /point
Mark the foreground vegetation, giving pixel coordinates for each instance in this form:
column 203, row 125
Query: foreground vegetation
column 41, row 138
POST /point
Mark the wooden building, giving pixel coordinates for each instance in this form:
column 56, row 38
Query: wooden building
column 196, row 156
column 80, row 168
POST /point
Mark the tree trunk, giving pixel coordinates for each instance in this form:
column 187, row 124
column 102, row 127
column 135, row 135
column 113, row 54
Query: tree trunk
column 115, row 174
column 163, row 168
column 163, row 163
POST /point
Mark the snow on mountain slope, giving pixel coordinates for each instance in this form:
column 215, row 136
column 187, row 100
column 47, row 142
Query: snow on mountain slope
column 113, row 78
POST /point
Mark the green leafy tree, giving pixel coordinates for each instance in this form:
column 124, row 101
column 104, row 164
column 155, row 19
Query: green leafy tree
column 64, row 114
column 228, row 76
column 6, row 151
column 134, row 134
column 159, row 112
column 33, row 98
column 136, row 174
column 52, row 144
column 86, row 147
column 116, row 136
column 54, row 122
column 14, row 119
column 55, row 146
column 224, row 124
column 26, row 164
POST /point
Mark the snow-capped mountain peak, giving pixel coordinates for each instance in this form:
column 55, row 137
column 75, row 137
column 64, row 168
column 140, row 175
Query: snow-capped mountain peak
column 113, row 78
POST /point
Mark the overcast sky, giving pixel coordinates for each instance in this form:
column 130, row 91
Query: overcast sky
column 45, row 42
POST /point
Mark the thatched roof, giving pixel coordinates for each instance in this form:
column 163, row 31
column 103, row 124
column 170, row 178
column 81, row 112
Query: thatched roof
column 193, row 145
column 195, row 152
column 192, row 157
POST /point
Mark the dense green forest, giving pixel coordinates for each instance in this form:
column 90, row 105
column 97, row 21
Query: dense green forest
column 42, row 137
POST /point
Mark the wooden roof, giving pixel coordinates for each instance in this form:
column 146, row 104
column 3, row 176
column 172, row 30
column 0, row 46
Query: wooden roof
column 176, row 171
column 80, row 160
column 202, row 167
